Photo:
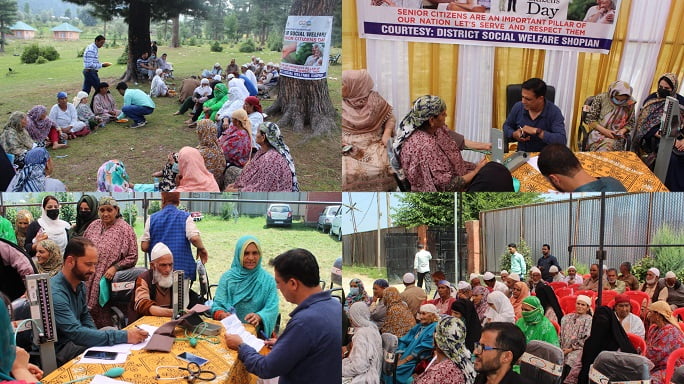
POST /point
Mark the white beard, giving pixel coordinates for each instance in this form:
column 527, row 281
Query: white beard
column 161, row 280
column 651, row 281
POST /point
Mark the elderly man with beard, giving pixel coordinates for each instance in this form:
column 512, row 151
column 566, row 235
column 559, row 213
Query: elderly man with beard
column 675, row 291
column 153, row 287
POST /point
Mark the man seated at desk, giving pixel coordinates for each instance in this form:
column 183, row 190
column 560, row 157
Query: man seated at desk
column 76, row 330
column 535, row 122
column 152, row 294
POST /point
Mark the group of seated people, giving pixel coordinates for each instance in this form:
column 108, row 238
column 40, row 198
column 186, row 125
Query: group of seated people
column 427, row 156
column 580, row 328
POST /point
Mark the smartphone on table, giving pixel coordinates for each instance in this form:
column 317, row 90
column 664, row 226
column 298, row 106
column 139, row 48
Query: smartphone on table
column 190, row 358
column 102, row 355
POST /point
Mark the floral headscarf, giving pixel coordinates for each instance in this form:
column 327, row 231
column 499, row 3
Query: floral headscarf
column 54, row 262
column 31, row 178
column 620, row 88
column 275, row 138
column 450, row 336
column 399, row 319
column 483, row 306
column 423, row 109
column 360, row 296
column 112, row 177
column 38, row 129
column 14, row 138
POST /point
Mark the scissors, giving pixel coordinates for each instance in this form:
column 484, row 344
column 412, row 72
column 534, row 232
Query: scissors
column 194, row 373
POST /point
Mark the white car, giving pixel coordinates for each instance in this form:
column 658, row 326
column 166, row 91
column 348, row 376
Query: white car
column 336, row 226
column 326, row 217
column 279, row 214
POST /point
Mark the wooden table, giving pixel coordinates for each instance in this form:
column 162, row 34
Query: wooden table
column 623, row 166
column 141, row 365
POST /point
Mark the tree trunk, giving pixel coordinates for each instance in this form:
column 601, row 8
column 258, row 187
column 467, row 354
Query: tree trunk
column 138, row 36
column 303, row 102
column 175, row 32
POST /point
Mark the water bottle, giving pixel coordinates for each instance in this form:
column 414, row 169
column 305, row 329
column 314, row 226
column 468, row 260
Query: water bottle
column 156, row 184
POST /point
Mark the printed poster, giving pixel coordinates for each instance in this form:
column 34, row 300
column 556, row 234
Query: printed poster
column 306, row 47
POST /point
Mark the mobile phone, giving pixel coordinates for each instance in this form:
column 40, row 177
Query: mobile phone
column 190, row 358
column 102, row 355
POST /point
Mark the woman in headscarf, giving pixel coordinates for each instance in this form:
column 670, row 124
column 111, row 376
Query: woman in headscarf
column 611, row 118
column 21, row 223
column 193, row 175
column 272, row 167
column 479, row 298
column 14, row 365
column 399, row 319
column 549, row 301
column 451, row 364
column 15, row 139
column 211, row 106
column 103, row 104
column 253, row 108
column 364, row 362
column 117, row 249
column 575, row 328
column 444, row 301
column 48, row 257
column 246, row 289
column 210, row 150
column 519, row 292
column 663, row 338
column 416, row 345
column 367, row 125
column 86, row 213
column 500, row 308
column 167, row 176
column 378, row 311
column 534, row 324
column 112, row 177
column 430, row 154
column 35, row 176
column 606, row 335
column 236, row 140
column 41, row 128
column 85, row 114
column 236, row 99
column 465, row 310
column 48, row 226
column 158, row 87
column 357, row 292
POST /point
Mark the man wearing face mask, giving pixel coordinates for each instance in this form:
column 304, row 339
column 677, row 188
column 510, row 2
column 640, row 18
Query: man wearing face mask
column 563, row 170
column 675, row 291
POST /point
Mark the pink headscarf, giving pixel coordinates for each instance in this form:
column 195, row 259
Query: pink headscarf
column 38, row 129
column 193, row 174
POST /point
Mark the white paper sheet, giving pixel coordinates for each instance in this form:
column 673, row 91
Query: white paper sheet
column 150, row 329
column 101, row 379
column 533, row 162
column 234, row 326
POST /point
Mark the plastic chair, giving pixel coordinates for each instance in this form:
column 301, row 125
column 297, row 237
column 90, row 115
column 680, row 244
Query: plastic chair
column 638, row 343
column 562, row 292
column 679, row 312
column 586, row 292
column 635, row 307
column 558, row 284
column 390, row 358
column 574, row 286
column 639, row 296
column 542, row 362
column 555, row 325
column 607, row 296
column 586, row 276
column 568, row 304
column 671, row 360
column 678, row 376
column 612, row 366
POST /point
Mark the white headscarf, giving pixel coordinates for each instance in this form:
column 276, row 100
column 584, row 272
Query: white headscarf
column 55, row 229
column 504, row 310
column 240, row 85
column 359, row 314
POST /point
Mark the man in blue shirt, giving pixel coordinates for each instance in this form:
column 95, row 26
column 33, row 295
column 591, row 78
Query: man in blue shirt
column 136, row 105
column 76, row 330
column 305, row 352
column 546, row 261
column 91, row 64
column 564, row 171
column 535, row 122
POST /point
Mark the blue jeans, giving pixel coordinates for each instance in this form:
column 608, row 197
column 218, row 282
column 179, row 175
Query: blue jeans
column 90, row 79
column 137, row 112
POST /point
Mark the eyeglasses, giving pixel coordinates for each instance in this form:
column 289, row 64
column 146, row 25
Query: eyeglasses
column 479, row 348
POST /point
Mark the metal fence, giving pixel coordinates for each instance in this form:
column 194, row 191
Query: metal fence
column 630, row 219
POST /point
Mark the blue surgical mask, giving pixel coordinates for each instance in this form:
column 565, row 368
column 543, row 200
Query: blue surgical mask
column 174, row 168
column 354, row 290
column 618, row 102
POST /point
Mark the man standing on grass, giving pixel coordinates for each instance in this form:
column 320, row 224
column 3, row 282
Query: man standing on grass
column 136, row 105
column 91, row 64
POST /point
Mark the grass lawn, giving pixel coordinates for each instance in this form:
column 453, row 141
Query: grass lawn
column 144, row 150
column 220, row 236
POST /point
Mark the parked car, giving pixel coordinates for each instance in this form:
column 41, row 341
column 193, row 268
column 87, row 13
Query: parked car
column 279, row 214
column 326, row 217
column 336, row 226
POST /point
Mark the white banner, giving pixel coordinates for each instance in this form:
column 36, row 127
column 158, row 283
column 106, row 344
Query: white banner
column 306, row 47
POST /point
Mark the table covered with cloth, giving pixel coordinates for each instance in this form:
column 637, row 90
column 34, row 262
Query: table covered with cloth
column 141, row 365
column 623, row 166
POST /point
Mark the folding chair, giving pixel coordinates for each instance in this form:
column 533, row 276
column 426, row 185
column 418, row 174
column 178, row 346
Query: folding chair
column 542, row 362
column 612, row 366
column 390, row 358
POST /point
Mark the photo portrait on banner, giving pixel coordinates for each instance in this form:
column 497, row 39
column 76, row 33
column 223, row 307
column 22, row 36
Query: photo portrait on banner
column 306, row 47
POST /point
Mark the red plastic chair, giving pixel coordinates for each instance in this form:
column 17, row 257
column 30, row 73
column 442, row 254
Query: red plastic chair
column 636, row 308
column 555, row 325
column 558, row 284
column 568, row 304
column 586, row 276
column 607, row 296
column 638, row 343
column 679, row 312
column 639, row 296
column 674, row 357
column 562, row 292
column 574, row 286
column 586, row 292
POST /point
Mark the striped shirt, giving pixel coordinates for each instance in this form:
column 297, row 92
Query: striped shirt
column 90, row 59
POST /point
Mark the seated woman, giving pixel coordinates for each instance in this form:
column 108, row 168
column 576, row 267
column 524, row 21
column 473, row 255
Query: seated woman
column 378, row 311
column 236, row 140
column 211, row 106
column 167, row 176
column 103, row 104
column 210, row 150
column 246, row 289
column 193, row 175
column 65, row 116
column 444, row 301
column 398, row 320
column 84, row 113
column 42, row 129
column 15, row 139
column 451, row 363
column 235, row 101
column 575, row 329
column 364, row 363
column 500, row 308
column 430, row 154
column 367, row 125
column 549, row 301
column 534, row 324
column 48, row 226
column 663, row 338
column 272, row 167
column 611, row 118
column 21, row 223
column 14, row 366
column 519, row 292
column 465, row 310
column 357, row 293
column 479, row 299
column 112, row 177
column 158, row 87
column 48, row 257
column 35, row 176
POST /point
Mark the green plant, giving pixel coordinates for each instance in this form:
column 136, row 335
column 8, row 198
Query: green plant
column 640, row 268
column 228, row 211
column 216, row 47
column 49, row 53
column 155, row 206
column 248, row 46
column 524, row 250
column 275, row 42
column 41, row 60
column 30, row 54
column 668, row 258
column 192, row 41
column 130, row 213
column 79, row 53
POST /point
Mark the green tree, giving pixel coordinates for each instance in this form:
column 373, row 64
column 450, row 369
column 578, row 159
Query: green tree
column 429, row 208
column 67, row 13
column 474, row 203
column 8, row 15
column 86, row 16
column 231, row 27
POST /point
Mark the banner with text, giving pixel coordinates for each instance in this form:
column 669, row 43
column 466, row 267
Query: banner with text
column 306, row 47
column 574, row 25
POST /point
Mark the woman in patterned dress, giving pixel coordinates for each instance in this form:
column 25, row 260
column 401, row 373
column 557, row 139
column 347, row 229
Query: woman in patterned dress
column 451, row 364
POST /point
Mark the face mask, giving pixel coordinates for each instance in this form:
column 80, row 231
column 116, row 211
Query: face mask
column 663, row 93
column 354, row 290
column 52, row 213
column 174, row 168
column 83, row 214
column 618, row 102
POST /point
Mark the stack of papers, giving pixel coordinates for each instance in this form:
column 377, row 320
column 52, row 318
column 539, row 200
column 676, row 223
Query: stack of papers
column 234, row 327
column 122, row 350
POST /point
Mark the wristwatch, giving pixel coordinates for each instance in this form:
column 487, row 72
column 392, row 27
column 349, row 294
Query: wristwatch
column 539, row 131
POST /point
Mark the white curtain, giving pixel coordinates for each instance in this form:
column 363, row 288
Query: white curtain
column 473, row 109
column 560, row 71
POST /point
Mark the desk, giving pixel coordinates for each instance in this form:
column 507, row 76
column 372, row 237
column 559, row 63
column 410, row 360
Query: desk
column 624, row 166
column 140, row 366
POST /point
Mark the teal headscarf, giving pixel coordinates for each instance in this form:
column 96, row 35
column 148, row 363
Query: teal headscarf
column 535, row 325
column 248, row 291
column 7, row 346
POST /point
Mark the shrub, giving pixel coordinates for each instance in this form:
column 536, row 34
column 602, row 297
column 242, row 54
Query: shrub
column 123, row 59
column 79, row 53
column 248, row 46
column 30, row 54
column 49, row 53
column 155, row 206
column 41, row 60
column 130, row 214
column 524, row 250
column 216, row 47
column 228, row 211
column 275, row 42
column 192, row 41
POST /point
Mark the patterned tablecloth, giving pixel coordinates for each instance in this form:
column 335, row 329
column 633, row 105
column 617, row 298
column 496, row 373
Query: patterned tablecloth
column 624, row 166
column 141, row 365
